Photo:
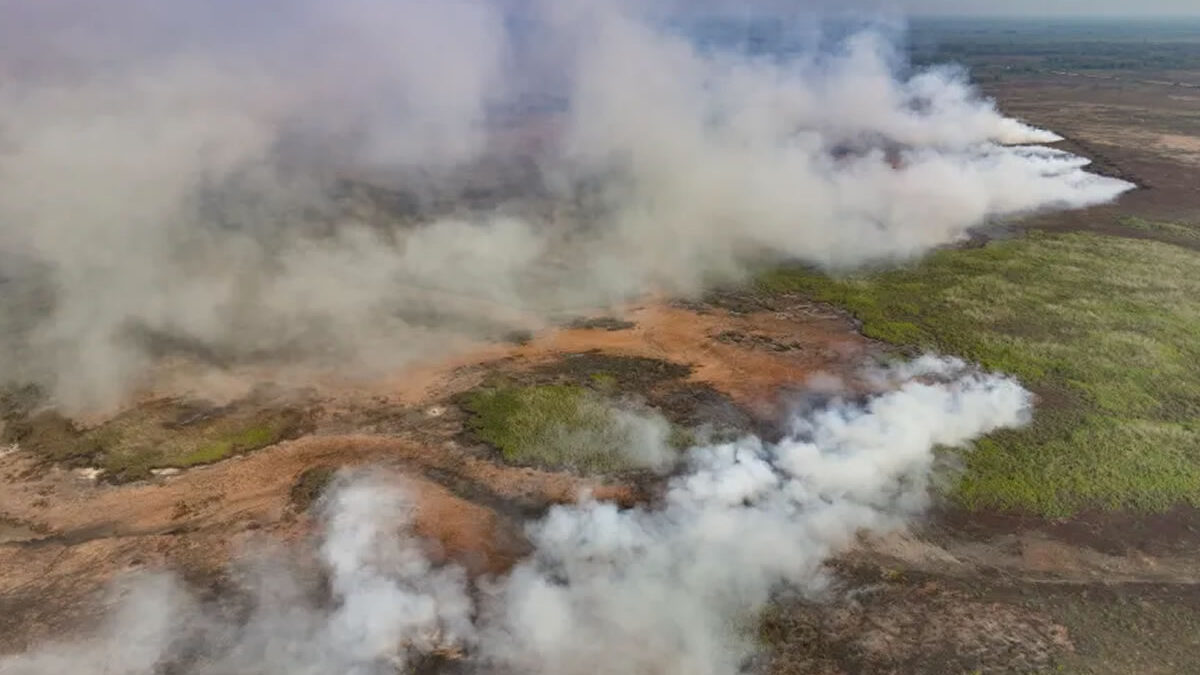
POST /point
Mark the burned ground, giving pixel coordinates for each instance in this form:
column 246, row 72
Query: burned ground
column 893, row 620
column 974, row 589
column 1105, row 589
column 68, row 532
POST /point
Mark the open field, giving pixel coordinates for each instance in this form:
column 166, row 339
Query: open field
column 1096, row 310
column 449, row 431
column 158, row 435
column 1101, row 328
column 1000, row 47
column 1139, row 121
column 1070, row 546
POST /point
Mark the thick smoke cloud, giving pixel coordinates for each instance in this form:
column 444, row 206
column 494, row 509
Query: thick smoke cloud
column 367, row 182
column 674, row 587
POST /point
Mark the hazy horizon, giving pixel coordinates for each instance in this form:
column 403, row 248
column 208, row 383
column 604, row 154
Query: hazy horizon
column 898, row 12
column 1067, row 9
column 1072, row 9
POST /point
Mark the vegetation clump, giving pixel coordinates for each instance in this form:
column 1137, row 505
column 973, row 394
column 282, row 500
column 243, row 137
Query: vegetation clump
column 310, row 485
column 566, row 426
column 1102, row 329
column 166, row 433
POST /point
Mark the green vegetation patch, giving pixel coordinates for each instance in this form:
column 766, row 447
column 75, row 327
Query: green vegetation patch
column 155, row 435
column 1166, row 230
column 563, row 426
column 662, row 385
column 1103, row 329
column 310, row 485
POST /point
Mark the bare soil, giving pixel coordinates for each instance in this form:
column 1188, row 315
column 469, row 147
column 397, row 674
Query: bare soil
column 65, row 535
column 961, row 592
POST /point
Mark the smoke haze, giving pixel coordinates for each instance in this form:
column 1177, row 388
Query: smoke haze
column 363, row 183
column 674, row 587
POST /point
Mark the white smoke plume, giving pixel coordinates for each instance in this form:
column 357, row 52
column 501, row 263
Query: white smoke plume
column 362, row 183
column 673, row 587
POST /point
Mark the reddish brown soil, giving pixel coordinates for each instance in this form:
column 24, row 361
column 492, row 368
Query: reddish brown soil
column 967, row 592
column 67, row 535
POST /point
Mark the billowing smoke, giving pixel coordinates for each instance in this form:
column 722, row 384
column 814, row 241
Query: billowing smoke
column 673, row 587
column 365, row 182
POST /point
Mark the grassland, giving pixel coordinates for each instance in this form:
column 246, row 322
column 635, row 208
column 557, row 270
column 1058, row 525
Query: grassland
column 565, row 426
column 1103, row 329
column 157, row 435
column 1185, row 234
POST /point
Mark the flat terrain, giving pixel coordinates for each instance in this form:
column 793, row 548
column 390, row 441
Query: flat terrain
column 67, row 528
column 1072, row 546
column 1100, row 327
column 1065, row 547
